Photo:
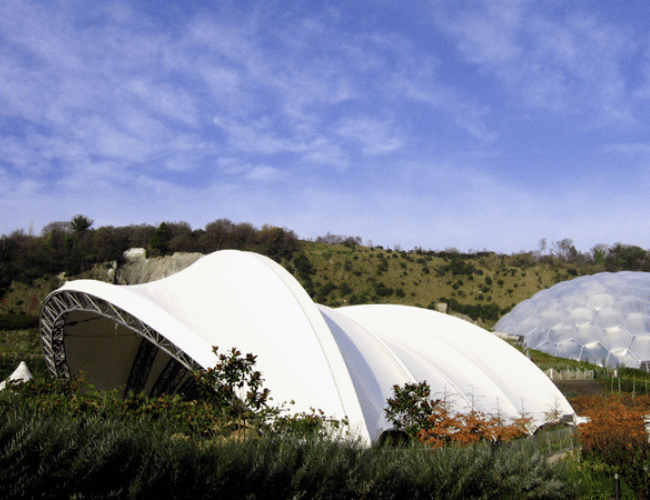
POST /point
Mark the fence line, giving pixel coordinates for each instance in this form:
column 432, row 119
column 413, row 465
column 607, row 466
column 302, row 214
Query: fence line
column 635, row 386
column 569, row 374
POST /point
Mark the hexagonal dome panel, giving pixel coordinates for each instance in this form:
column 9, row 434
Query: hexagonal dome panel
column 604, row 318
column 595, row 352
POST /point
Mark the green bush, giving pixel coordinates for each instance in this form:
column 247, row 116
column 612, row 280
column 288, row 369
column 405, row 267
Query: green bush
column 42, row 457
column 18, row 321
column 382, row 290
column 65, row 439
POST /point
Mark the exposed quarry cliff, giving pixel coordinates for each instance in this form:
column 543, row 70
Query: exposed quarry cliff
column 140, row 269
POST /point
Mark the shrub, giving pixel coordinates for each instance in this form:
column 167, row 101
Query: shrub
column 432, row 422
column 17, row 321
column 382, row 290
column 615, row 436
column 345, row 289
column 235, row 388
column 66, row 458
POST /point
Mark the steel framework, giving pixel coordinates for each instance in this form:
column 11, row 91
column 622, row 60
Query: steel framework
column 56, row 309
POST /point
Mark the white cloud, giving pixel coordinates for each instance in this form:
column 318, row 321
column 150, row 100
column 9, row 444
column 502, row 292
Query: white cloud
column 263, row 173
column 568, row 62
column 375, row 137
column 235, row 168
column 373, row 125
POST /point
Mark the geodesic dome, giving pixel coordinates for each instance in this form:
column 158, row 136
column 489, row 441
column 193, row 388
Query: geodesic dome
column 149, row 337
column 604, row 318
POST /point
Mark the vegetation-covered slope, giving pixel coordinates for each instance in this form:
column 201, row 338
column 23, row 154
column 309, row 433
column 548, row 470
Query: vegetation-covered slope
column 335, row 270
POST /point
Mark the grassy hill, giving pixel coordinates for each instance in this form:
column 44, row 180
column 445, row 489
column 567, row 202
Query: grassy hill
column 482, row 286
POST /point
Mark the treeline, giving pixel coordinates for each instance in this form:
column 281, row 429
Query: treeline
column 75, row 246
column 613, row 258
column 602, row 257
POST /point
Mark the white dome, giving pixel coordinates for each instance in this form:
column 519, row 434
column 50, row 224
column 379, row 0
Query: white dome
column 343, row 361
column 603, row 318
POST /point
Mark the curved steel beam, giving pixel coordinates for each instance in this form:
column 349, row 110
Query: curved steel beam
column 59, row 304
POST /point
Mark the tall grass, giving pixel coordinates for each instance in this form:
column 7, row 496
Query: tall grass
column 67, row 458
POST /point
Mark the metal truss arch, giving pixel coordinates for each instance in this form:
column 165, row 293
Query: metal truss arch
column 54, row 316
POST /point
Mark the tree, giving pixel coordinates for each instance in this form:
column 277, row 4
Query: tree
column 277, row 242
column 80, row 224
column 565, row 250
column 182, row 238
column 79, row 244
column 160, row 239
column 625, row 257
column 243, row 236
column 598, row 253
column 542, row 246
column 139, row 235
column 410, row 407
column 217, row 235
column 110, row 244
column 432, row 421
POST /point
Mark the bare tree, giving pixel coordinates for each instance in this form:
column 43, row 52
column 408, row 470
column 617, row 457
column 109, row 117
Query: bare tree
column 543, row 244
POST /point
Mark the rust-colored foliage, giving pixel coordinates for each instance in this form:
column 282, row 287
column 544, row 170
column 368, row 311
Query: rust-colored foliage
column 616, row 435
column 432, row 422
column 444, row 428
column 615, row 421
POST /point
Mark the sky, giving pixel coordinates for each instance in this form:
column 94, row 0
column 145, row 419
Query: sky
column 435, row 124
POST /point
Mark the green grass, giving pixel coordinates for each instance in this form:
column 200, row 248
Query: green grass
column 21, row 345
column 67, row 458
column 345, row 276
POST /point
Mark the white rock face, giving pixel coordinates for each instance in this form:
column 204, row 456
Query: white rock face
column 139, row 269
column 604, row 318
column 135, row 254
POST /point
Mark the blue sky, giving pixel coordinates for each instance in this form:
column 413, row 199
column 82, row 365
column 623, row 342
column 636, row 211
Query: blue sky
column 438, row 124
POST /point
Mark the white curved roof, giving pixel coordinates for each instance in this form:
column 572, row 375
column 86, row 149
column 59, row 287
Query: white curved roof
column 463, row 363
column 344, row 361
column 604, row 317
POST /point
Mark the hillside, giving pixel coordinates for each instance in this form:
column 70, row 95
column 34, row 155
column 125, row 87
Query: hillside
column 481, row 287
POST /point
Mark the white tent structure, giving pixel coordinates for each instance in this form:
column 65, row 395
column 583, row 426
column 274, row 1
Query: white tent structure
column 20, row 374
column 343, row 361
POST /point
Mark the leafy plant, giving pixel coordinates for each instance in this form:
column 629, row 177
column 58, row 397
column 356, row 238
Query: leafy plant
column 432, row 422
column 235, row 387
column 410, row 407
column 615, row 435
column 42, row 457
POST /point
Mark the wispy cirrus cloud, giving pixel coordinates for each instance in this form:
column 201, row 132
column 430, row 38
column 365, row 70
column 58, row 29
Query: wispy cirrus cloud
column 341, row 117
column 554, row 57
column 374, row 137
column 121, row 92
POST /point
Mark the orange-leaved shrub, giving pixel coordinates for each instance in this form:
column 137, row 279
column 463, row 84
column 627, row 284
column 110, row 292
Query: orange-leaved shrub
column 615, row 435
column 434, row 423
column 462, row 429
column 615, row 423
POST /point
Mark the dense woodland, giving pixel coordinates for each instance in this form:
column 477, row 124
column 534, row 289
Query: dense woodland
column 75, row 246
